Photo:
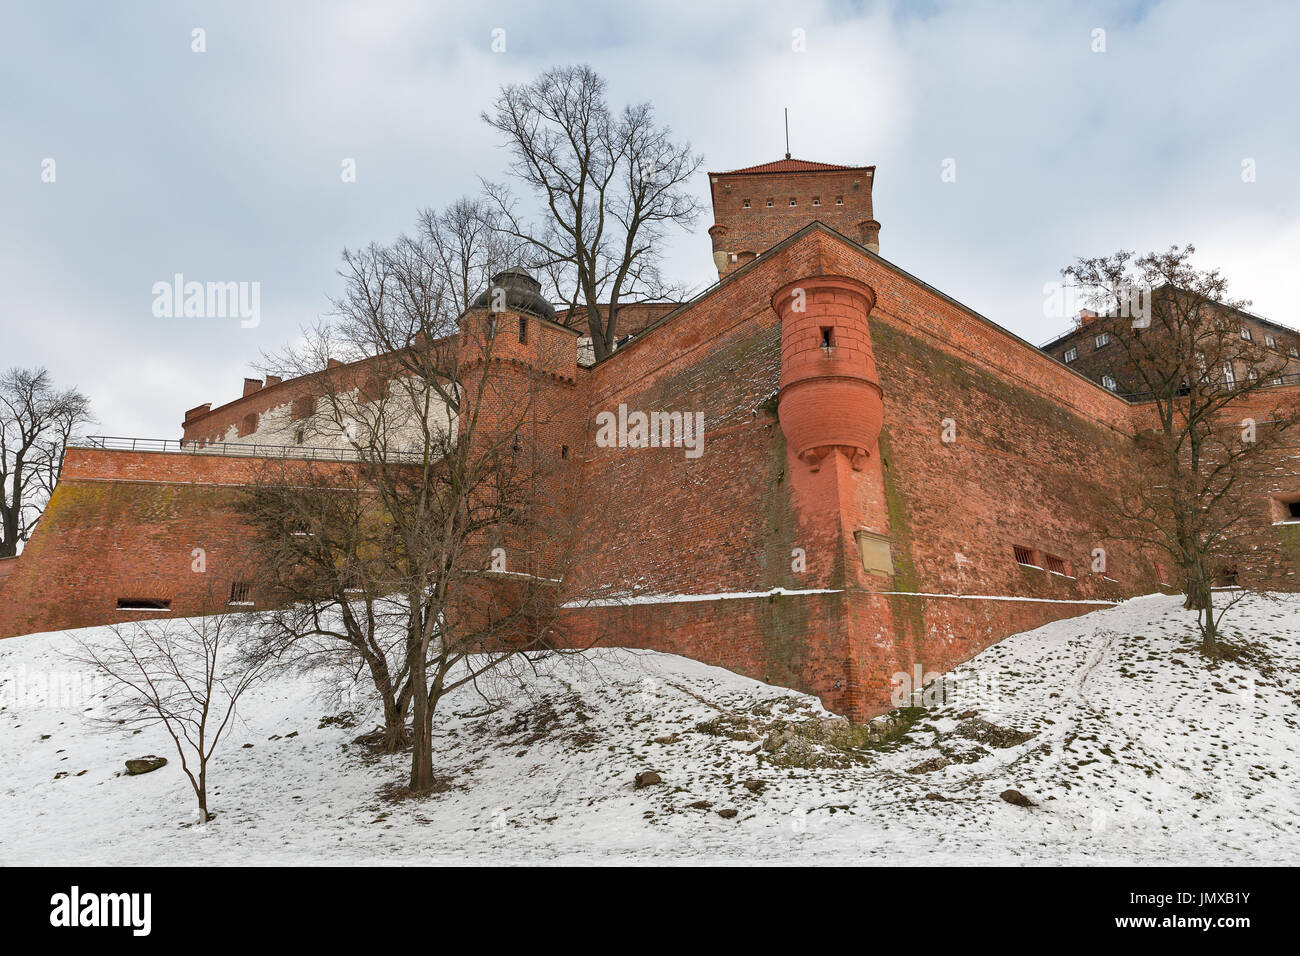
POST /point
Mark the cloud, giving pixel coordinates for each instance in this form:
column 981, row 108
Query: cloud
column 226, row 165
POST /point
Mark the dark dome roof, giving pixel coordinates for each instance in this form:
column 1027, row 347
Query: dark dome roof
column 523, row 294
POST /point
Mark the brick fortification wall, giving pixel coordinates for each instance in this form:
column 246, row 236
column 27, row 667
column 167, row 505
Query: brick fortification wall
column 126, row 524
column 887, row 480
column 1035, row 446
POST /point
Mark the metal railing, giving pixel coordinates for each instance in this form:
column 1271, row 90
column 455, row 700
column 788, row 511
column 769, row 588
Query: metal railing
column 232, row 449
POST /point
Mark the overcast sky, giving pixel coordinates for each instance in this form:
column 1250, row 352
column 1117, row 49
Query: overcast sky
column 226, row 165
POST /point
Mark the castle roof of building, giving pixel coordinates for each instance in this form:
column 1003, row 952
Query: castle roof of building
column 523, row 293
column 789, row 165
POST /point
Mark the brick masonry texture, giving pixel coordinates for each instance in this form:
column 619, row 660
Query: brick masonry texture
column 806, row 448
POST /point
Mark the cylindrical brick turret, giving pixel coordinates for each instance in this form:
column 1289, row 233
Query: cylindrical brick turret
column 830, row 396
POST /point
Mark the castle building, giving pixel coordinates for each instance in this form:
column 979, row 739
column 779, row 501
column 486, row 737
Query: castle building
column 886, row 480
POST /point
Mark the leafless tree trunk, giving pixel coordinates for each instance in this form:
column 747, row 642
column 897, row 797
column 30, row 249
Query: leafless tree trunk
column 36, row 424
column 608, row 186
column 447, row 478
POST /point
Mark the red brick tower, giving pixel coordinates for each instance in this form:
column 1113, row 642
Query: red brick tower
column 756, row 207
column 830, row 398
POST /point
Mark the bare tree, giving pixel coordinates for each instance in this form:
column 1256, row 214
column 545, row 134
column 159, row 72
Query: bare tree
column 187, row 675
column 323, row 552
column 609, row 187
column 450, row 462
column 36, row 423
column 1180, row 343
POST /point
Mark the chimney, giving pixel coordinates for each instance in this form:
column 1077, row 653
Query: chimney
column 1086, row 316
column 273, row 380
column 333, row 363
column 252, row 385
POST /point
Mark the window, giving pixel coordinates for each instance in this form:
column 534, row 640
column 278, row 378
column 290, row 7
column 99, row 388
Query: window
column 299, row 435
column 143, row 604
column 817, row 200
column 1108, row 381
column 1229, row 377
column 239, row 591
column 492, row 325
column 769, row 204
column 1024, row 555
column 793, row 201
column 1278, row 380
column 1295, row 352
column 1285, row 510
column 839, row 200
column 828, row 336
column 247, row 425
column 746, row 204
column 1245, row 334
column 523, row 330
column 1101, row 341
column 1270, row 341
column 875, row 551
column 564, row 451
column 1071, row 355
column 1055, row 565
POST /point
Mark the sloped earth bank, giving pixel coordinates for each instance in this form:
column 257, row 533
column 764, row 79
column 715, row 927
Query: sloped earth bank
column 1123, row 744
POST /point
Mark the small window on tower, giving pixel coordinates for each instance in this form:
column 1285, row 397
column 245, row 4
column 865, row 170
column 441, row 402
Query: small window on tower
column 564, row 451
column 839, row 200
column 793, row 201
column 523, row 330
column 828, row 336
column 769, row 204
column 817, row 200
column 746, row 203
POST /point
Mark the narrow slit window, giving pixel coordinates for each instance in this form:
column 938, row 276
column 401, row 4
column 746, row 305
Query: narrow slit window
column 143, row 604
column 564, row 451
column 828, row 336
column 523, row 330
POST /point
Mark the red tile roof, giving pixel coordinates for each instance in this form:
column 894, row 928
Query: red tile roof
column 789, row 166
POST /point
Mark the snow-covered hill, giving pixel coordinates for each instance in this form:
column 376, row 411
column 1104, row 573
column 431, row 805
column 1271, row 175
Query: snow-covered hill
column 1130, row 746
